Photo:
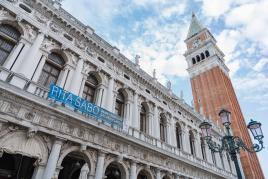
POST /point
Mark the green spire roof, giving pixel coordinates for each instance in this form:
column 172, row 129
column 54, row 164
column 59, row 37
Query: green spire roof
column 195, row 27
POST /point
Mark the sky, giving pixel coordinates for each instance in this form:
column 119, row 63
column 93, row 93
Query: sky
column 156, row 29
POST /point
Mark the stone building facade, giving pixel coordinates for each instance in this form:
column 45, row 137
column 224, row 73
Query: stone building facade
column 40, row 138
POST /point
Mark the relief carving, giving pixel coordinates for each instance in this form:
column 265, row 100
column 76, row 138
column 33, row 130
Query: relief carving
column 41, row 18
column 55, row 28
column 13, row 109
column 31, row 33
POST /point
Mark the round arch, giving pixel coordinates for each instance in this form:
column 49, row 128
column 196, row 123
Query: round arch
column 97, row 75
column 12, row 22
column 88, row 157
column 166, row 176
column 124, row 92
column 60, row 52
column 146, row 171
column 121, row 166
column 146, row 106
column 19, row 143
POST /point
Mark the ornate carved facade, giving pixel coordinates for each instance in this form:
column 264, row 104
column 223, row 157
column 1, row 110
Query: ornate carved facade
column 54, row 141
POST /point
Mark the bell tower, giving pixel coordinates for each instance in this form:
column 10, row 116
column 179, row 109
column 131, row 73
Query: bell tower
column 212, row 89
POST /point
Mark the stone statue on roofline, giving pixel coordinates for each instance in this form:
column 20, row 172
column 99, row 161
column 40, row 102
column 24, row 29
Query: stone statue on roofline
column 137, row 60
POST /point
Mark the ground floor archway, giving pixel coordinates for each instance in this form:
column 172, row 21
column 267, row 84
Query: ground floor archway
column 74, row 166
column 115, row 171
column 143, row 174
column 16, row 166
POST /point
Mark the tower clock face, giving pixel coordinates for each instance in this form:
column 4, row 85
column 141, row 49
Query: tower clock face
column 196, row 42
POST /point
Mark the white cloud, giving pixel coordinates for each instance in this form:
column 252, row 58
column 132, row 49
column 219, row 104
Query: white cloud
column 215, row 8
column 227, row 41
column 234, row 66
column 252, row 19
column 261, row 64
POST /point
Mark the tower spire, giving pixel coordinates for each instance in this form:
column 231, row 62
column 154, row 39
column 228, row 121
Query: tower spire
column 195, row 27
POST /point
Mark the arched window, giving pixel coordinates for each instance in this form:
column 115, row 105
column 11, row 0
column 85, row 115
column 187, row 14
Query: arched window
column 163, row 128
column 179, row 135
column 203, row 148
column 193, row 61
column 198, row 58
column 119, row 104
column 207, row 53
column 51, row 70
column 143, row 120
column 9, row 37
column 192, row 142
column 202, row 56
column 90, row 88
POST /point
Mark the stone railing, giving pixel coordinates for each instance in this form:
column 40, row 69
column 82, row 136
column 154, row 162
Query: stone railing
column 42, row 92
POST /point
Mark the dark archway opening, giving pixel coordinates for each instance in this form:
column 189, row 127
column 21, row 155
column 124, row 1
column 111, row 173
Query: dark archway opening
column 16, row 166
column 72, row 165
column 144, row 175
column 113, row 172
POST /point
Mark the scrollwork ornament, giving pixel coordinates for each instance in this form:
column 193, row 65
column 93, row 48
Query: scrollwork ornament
column 29, row 115
column 54, row 27
column 31, row 132
column 80, row 44
column 41, row 18
column 31, row 33
column 4, row 13
column 91, row 52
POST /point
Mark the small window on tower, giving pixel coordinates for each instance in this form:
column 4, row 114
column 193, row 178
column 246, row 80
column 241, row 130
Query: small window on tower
column 202, row 56
column 207, row 53
column 198, row 58
column 193, row 61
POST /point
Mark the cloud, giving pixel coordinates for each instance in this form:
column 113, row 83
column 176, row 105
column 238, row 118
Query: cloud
column 228, row 40
column 215, row 8
column 252, row 19
column 260, row 64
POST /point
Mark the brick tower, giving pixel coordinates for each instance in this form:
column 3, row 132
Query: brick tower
column 212, row 89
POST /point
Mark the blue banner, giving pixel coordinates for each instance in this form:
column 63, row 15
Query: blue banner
column 59, row 94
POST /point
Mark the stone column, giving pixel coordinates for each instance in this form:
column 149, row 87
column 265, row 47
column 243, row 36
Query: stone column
column 156, row 123
column 52, row 159
column 14, row 54
column 135, row 112
column 169, row 133
column 173, row 140
column 99, row 95
column 84, row 78
column 185, row 140
column 133, row 170
column 84, row 172
column 158, row 174
column 38, row 171
column 100, row 165
column 104, row 96
column 64, row 75
column 39, row 68
column 28, row 64
column 127, row 112
column 77, row 77
column 150, row 123
column 208, row 154
column 198, row 146
column 113, row 99
column 15, row 61
column 110, row 95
